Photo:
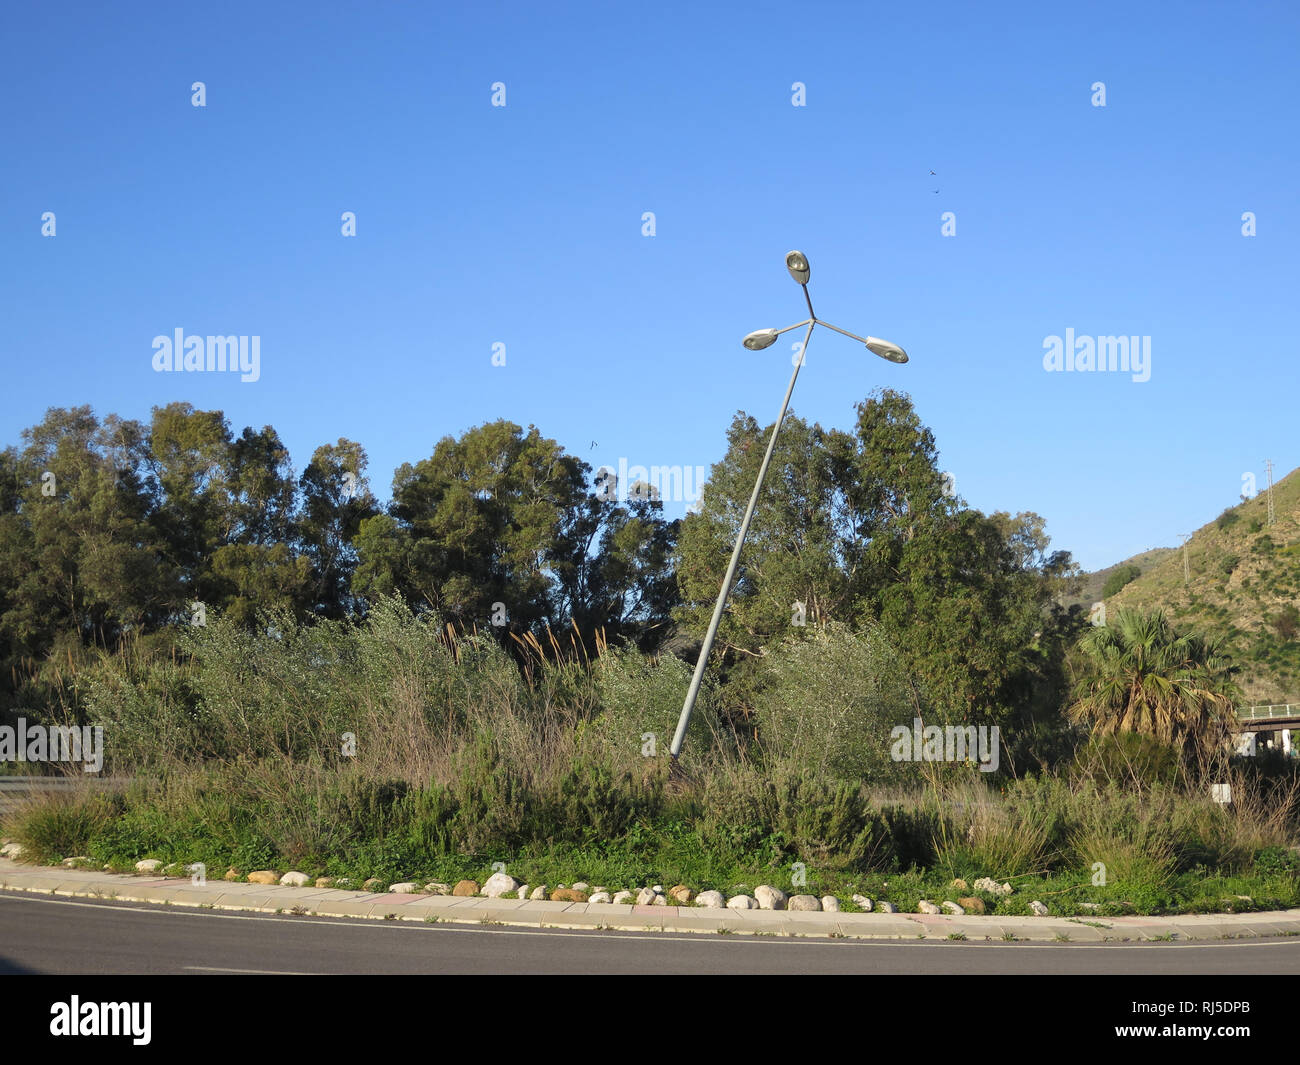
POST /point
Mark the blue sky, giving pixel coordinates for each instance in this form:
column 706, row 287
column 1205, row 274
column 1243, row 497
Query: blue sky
column 522, row 225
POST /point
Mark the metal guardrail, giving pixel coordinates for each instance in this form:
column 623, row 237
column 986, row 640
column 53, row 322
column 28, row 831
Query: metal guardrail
column 13, row 790
column 1265, row 713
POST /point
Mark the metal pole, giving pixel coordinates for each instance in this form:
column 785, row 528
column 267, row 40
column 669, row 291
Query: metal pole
column 679, row 737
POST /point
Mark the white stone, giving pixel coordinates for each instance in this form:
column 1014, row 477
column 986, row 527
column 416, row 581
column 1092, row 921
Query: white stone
column 600, row 896
column 1039, row 908
column 954, row 909
column 886, row 907
column 926, row 906
column 740, row 902
column 712, row 900
column 437, row 888
column 500, row 884
column 149, row 865
column 539, row 893
column 522, row 893
column 830, row 904
column 581, row 885
column 659, row 900
column 294, row 879
column 658, row 889
column 646, row 896
column 769, row 898
column 406, row 887
column 804, row 903
column 862, row 902
column 622, row 898
column 11, row 850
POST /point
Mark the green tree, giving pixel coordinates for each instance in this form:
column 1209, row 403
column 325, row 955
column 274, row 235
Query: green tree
column 1119, row 578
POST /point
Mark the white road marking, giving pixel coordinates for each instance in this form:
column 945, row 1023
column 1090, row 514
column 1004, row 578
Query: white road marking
column 258, row 972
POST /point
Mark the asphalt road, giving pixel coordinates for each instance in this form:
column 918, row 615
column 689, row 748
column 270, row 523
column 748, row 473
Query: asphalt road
column 63, row 936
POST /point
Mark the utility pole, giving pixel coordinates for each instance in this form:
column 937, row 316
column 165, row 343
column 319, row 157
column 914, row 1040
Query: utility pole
column 1187, row 575
column 1272, row 515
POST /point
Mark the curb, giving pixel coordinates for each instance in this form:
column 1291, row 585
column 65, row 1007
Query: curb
column 447, row 909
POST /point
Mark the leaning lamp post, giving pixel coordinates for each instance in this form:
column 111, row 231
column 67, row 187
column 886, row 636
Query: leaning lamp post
column 797, row 263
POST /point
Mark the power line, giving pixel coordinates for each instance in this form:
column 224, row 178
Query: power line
column 1272, row 514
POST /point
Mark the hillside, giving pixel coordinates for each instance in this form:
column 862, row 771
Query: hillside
column 1093, row 583
column 1244, row 585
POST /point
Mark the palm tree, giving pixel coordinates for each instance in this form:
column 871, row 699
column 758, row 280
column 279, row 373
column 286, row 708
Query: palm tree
column 1150, row 679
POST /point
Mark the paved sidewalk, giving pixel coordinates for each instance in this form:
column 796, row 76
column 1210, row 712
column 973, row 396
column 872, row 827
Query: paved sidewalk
column 326, row 902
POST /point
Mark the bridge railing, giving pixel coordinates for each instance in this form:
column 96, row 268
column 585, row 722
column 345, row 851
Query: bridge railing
column 1264, row 713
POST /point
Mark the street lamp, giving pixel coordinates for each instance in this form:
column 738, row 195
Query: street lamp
column 797, row 263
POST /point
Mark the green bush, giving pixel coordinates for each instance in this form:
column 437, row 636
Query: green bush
column 830, row 702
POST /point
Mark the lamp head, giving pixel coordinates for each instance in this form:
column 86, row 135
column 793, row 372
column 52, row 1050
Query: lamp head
column 886, row 350
column 760, row 339
column 797, row 263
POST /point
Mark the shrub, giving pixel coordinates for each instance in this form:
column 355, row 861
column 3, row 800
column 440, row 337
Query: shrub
column 830, row 702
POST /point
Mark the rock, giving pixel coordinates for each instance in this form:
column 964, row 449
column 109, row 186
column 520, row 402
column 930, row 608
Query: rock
column 1091, row 907
column 712, row 900
column 597, row 890
column 149, row 865
column 959, row 885
column 804, row 903
column 972, row 905
column 769, row 898
column 465, row 888
column 264, row 876
column 986, row 883
column 499, row 884
column 599, row 896
column 568, row 894
column 538, row 893
column 622, row 898
column 406, row 887
column 646, row 896
column 659, row 900
column 830, row 904
column 681, row 894
column 954, row 909
column 862, row 902
column 1005, row 889
column 658, row 889
column 925, row 906
column 11, row 850
column 740, row 902
column 294, row 880
column 437, row 887
column 324, row 881
column 372, row 884
column 582, row 885
column 345, row 884
column 72, row 863
column 886, row 907
column 1039, row 908
column 232, row 874
column 522, row 893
